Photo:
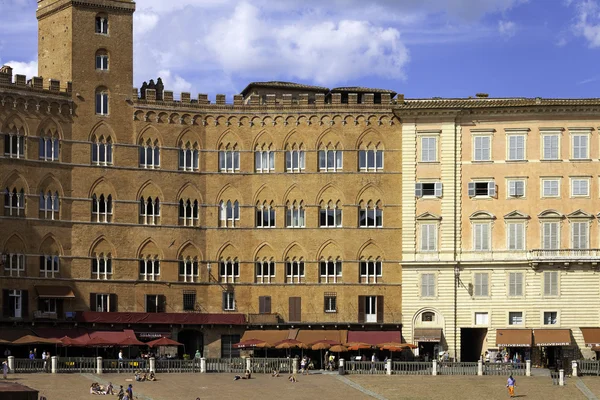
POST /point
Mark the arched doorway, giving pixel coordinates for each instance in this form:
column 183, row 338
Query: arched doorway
column 428, row 334
column 192, row 340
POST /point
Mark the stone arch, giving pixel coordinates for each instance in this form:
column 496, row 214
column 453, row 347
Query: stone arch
column 102, row 245
column 14, row 123
column 150, row 189
column 228, row 192
column 191, row 137
column 330, row 139
column 102, row 186
column 293, row 193
column 330, row 250
column 189, row 191
column 228, row 140
column 149, row 249
column 370, row 251
column 227, row 252
column 264, row 141
column 265, row 193
column 370, row 139
column 50, row 183
column 149, row 135
column 50, row 128
column 15, row 244
column 50, row 246
column 439, row 320
column 369, row 192
column 15, row 179
column 264, row 252
column 329, row 192
column 102, row 130
column 189, row 249
column 294, row 252
column 294, row 140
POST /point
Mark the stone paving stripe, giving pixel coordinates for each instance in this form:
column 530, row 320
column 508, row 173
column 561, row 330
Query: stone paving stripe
column 585, row 390
column 360, row 388
column 97, row 378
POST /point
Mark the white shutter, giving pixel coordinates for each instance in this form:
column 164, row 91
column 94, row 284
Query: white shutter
column 432, row 237
column 424, row 237
column 471, row 189
column 519, row 188
column 438, row 189
column 485, row 236
column 520, row 236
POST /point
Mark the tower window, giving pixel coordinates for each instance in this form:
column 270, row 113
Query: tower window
column 101, row 102
column 102, row 25
column 101, row 60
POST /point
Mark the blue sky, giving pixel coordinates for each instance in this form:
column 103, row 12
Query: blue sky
column 422, row 48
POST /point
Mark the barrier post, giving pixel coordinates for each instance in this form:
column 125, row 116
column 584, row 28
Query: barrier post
column 54, row 364
column 528, row 368
column 389, row 366
column 561, row 377
column 434, row 369
column 153, row 364
column 99, row 365
column 203, row 365
column 479, row 367
column 11, row 364
column 574, row 367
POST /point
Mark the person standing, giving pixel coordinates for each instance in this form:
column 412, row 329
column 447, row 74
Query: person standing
column 326, row 359
column 120, row 358
column 5, row 369
column 510, row 384
column 31, row 355
column 130, row 391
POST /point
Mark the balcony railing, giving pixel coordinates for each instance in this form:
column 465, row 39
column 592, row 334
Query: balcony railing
column 565, row 254
column 44, row 315
column 264, row 319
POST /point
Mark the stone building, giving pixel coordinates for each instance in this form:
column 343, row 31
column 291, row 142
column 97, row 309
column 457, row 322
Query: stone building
column 131, row 209
column 500, row 228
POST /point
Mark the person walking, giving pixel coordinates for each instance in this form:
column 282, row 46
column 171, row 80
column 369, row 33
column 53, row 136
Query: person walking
column 510, row 384
column 5, row 369
column 120, row 358
column 31, row 355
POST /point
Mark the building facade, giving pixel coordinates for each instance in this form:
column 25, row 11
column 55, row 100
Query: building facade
column 499, row 226
column 279, row 210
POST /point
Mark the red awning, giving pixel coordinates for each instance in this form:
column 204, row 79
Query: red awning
column 160, row 318
column 374, row 337
column 55, row 292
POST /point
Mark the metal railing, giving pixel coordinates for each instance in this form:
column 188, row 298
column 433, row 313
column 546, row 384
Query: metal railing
column 76, row 364
column 268, row 365
column 171, row 365
column 124, row 366
column 457, row 368
column 568, row 254
column 236, row 365
column 25, row 365
column 365, row 367
column 505, row 369
column 588, row 367
column 412, row 368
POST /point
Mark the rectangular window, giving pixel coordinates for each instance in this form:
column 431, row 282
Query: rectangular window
column 515, row 284
column 330, row 271
column 229, row 271
column 102, row 103
column 149, row 156
column 265, row 216
column 149, row 269
column 428, row 149
column 370, row 217
column 264, row 161
column 49, row 266
column 482, row 318
column 330, row 160
column 295, row 161
column 14, row 145
column 49, row 149
column 189, row 300
column 516, row 147
column 295, row 217
column 429, row 237
column 482, row 189
column 188, row 270
column 188, row 159
column 330, row 217
column 294, row 271
column 580, row 235
column 155, row 303
column 264, row 304
column 516, row 188
column 551, row 283
column 427, row 285
column 228, row 301
column 265, row 270
column 550, row 188
column 370, row 271
column 330, row 303
column 481, row 284
column 482, row 148
column 102, row 62
column 102, row 25
column 516, row 235
column 550, row 317
column 229, row 161
column 370, row 160
column 14, row 265
column 481, row 236
column 580, row 147
column 102, row 302
column 515, row 318
column 580, row 187
column 428, row 189
column 101, row 268
column 551, row 147
column 550, row 235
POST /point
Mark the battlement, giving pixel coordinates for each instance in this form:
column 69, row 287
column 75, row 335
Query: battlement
column 36, row 83
column 154, row 93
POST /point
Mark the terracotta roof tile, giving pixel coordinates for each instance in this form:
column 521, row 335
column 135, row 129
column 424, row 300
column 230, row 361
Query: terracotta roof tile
column 283, row 85
column 493, row 102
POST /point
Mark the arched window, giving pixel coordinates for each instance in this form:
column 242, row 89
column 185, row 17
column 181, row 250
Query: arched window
column 264, row 159
column 14, row 264
column 265, row 215
column 102, row 60
column 428, row 316
column 14, row 202
column 188, row 269
column 330, row 270
column 370, row 270
column 330, row 215
column 188, row 212
column 102, row 101
column 370, row 159
column 102, row 151
column 229, row 213
column 330, row 158
column 49, row 146
column 14, row 143
column 265, row 270
column 229, row 270
column 102, row 267
column 295, row 159
column 295, row 215
column 49, row 266
column 294, row 271
column 370, row 215
column 188, row 157
column 229, row 159
column 102, row 208
column 150, row 211
column 149, row 268
column 102, row 24
column 150, row 154
column 49, row 205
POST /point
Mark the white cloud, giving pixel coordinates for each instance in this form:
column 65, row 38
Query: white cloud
column 507, row 28
column 588, row 21
column 174, row 82
column 144, row 21
column 29, row 69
